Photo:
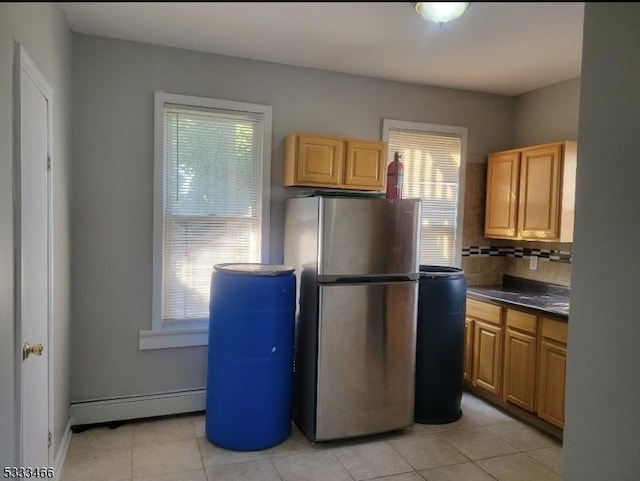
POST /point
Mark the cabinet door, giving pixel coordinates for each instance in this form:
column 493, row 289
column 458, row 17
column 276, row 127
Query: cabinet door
column 519, row 368
column 551, row 382
column 503, row 172
column 365, row 165
column 539, row 207
column 319, row 161
column 487, row 356
column 468, row 348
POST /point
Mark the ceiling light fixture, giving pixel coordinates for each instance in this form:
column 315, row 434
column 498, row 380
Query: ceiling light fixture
column 440, row 12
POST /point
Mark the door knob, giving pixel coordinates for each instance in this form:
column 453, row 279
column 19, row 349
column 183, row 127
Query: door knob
column 28, row 349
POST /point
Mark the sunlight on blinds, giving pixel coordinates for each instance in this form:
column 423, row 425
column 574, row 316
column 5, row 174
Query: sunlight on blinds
column 212, row 203
column 431, row 172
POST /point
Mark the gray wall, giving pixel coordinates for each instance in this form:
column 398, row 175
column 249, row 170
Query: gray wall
column 42, row 30
column 112, row 200
column 547, row 115
column 603, row 393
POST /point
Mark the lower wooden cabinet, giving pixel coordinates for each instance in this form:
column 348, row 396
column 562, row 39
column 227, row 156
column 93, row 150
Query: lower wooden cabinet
column 520, row 349
column 517, row 359
column 487, row 354
column 519, row 369
column 486, row 340
column 552, row 376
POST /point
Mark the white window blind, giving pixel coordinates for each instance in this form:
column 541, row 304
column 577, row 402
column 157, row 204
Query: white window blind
column 431, row 161
column 212, row 201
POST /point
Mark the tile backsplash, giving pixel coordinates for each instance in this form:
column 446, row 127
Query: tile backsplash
column 548, row 271
column 485, row 265
column 485, row 261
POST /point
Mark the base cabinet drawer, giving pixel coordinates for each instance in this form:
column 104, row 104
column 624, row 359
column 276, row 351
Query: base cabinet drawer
column 484, row 311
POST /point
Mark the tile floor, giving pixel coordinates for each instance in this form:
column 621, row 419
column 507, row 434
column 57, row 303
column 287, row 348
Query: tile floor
column 484, row 445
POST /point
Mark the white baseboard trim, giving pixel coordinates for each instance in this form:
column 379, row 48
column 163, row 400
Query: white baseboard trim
column 61, row 453
column 134, row 407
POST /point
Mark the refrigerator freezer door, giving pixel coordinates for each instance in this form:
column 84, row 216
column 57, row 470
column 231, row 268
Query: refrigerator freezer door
column 367, row 237
column 366, row 359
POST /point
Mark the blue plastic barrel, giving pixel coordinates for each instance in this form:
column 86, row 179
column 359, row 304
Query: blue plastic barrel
column 250, row 356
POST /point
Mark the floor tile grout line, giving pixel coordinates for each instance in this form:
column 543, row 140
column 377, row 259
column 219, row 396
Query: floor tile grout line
column 403, row 458
column 417, row 470
column 413, row 468
column 537, row 432
column 496, row 456
column 275, row 468
column 346, row 470
column 521, row 452
column 543, row 464
column 377, row 477
column 130, row 444
column 485, row 471
column 447, row 442
column 131, row 449
column 385, row 476
column 197, row 439
column 449, row 464
column 553, row 471
column 234, row 465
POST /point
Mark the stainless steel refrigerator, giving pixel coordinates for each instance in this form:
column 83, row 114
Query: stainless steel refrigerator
column 357, row 269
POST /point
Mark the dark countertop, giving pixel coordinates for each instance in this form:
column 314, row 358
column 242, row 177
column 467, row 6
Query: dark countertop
column 539, row 296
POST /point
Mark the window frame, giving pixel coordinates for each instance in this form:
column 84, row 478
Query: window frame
column 463, row 133
column 169, row 334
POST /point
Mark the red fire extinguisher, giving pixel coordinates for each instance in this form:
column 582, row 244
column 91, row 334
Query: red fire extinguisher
column 395, row 172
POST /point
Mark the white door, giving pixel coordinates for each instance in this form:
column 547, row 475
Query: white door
column 33, row 260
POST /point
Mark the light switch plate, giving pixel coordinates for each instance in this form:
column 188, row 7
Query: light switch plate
column 533, row 263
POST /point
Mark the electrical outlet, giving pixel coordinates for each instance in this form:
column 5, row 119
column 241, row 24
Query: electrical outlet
column 533, row 263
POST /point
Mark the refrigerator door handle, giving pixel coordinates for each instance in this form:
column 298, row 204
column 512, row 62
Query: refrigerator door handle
column 328, row 279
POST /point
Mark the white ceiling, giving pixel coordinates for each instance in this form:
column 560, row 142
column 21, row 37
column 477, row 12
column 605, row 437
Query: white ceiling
column 501, row 48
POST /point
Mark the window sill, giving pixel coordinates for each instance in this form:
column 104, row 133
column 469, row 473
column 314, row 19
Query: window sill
column 170, row 336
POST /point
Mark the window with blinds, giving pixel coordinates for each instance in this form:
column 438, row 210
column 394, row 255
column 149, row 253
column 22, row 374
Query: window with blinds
column 212, row 200
column 432, row 158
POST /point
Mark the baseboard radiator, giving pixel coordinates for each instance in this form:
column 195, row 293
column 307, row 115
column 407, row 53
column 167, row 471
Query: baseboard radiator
column 134, row 407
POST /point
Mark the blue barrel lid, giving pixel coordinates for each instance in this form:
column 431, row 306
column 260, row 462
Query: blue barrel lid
column 254, row 269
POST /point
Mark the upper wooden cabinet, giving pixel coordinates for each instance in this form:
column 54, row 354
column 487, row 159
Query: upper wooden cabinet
column 531, row 193
column 503, row 182
column 334, row 162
